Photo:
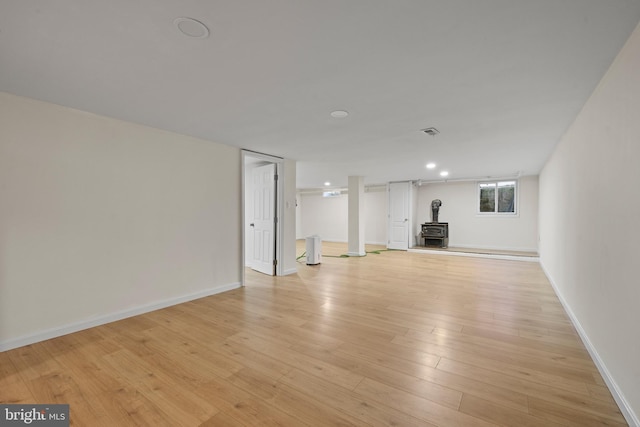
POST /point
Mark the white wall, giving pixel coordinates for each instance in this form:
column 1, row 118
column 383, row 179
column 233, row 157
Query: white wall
column 299, row 234
column 376, row 210
column 289, row 217
column 590, row 225
column 325, row 217
column 415, row 223
column 100, row 219
column 468, row 229
column 328, row 216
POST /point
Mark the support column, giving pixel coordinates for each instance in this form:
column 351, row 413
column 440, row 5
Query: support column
column 356, row 216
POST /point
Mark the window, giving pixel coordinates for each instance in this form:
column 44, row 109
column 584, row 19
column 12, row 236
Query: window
column 331, row 193
column 498, row 197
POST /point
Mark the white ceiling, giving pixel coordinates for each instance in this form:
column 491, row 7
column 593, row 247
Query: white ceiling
column 501, row 79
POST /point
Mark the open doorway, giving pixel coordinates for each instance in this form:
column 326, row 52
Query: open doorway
column 262, row 207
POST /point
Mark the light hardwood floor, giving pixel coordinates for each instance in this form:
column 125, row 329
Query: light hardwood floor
column 393, row 338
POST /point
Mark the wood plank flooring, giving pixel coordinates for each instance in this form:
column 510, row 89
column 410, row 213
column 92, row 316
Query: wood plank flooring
column 390, row 339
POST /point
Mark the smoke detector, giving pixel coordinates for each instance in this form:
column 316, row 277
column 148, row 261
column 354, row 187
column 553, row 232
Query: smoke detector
column 431, row 131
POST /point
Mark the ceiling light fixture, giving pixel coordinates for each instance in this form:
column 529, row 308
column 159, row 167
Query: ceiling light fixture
column 191, row 28
column 431, row 131
column 431, row 165
column 327, row 183
column 339, row 114
column 444, row 173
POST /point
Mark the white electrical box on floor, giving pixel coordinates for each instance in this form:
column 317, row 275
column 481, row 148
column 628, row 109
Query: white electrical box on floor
column 314, row 250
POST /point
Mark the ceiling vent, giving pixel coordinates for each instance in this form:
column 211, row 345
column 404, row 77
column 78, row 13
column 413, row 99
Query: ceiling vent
column 431, row 131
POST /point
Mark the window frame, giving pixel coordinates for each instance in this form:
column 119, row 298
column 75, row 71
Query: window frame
column 516, row 197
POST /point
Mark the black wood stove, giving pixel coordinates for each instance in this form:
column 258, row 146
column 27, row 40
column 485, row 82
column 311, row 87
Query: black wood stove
column 435, row 234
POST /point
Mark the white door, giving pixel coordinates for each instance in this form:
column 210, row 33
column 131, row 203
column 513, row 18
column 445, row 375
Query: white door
column 399, row 215
column 263, row 219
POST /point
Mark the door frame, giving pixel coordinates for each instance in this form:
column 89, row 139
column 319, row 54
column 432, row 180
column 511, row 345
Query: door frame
column 279, row 207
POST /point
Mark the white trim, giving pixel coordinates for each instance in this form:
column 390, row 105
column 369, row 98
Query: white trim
column 108, row 318
column 630, row 416
column 344, row 241
column 476, row 255
column 290, row 271
column 497, row 215
column 494, row 248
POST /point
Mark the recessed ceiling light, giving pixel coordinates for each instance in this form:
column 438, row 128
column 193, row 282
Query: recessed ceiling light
column 339, row 114
column 444, row 173
column 327, row 183
column 192, row 28
column 431, row 165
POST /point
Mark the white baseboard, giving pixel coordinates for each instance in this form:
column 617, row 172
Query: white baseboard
column 452, row 252
column 345, row 241
column 494, row 248
column 290, row 271
column 108, row 318
column 625, row 408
